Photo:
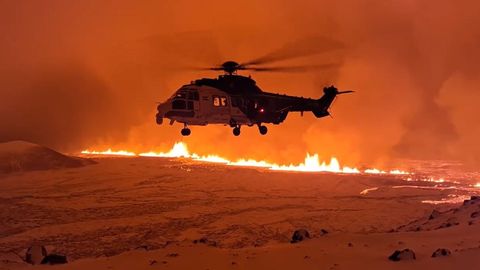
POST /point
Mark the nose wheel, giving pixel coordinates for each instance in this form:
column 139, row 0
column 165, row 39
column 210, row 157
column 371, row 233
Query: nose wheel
column 263, row 129
column 236, row 130
column 185, row 131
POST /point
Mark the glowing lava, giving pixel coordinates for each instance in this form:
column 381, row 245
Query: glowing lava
column 178, row 150
column 311, row 163
column 109, row 152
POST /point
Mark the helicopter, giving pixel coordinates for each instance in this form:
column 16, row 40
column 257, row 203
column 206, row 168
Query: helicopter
column 235, row 100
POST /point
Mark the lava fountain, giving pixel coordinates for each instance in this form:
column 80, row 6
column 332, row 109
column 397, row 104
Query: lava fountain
column 311, row 163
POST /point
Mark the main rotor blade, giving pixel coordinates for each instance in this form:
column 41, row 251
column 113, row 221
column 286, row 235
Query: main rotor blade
column 292, row 68
column 178, row 48
column 300, row 48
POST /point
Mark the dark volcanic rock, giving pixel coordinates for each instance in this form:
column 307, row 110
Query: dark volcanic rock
column 468, row 213
column 473, row 200
column 300, row 235
column 453, row 221
column 441, row 252
column 55, row 259
column 323, row 232
column 402, row 255
column 172, row 255
column 434, row 214
column 205, row 241
column 35, row 254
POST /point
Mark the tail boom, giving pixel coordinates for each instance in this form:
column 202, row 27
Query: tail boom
column 324, row 103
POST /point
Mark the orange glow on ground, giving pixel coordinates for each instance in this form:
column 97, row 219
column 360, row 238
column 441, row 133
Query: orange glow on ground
column 311, row 163
column 109, row 152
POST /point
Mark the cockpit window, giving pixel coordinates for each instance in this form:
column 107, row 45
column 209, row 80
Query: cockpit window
column 181, row 95
column 193, row 95
column 179, row 104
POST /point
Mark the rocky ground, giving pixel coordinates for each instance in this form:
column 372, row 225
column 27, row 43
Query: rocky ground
column 126, row 213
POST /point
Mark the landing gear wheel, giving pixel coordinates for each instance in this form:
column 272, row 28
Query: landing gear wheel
column 236, row 131
column 185, row 131
column 263, row 130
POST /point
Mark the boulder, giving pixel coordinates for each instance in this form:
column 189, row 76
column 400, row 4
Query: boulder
column 300, row 235
column 35, row 254
column 54, row 259
column 402, row 255
column 441, row 252
column 473, row 200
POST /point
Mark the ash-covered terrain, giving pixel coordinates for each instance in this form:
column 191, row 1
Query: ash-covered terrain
column 140, row 212
column 19, row 156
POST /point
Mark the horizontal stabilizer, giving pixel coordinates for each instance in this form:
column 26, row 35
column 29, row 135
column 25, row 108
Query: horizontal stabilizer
column 345, row 92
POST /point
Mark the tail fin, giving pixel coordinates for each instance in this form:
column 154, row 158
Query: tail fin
column 330, row 93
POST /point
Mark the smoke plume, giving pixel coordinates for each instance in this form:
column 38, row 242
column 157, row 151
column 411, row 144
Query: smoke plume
column 85, row 74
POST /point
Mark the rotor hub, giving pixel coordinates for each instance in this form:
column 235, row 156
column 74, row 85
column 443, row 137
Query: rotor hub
column 231, row 67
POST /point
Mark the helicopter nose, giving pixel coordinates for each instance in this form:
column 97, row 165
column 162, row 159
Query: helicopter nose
column 159, row 108
column 163, row 108
column 160, row 113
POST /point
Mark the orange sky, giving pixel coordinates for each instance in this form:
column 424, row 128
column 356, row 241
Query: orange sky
column 81, row 73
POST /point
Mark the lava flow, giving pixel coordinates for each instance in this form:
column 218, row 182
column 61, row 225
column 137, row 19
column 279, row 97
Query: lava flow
column 311, row 163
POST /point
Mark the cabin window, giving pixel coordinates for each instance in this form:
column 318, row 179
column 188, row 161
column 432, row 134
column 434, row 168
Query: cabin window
column 216, row 101
column 223, row 101
column 219, row 101
column 190, row 105
column 178, row 104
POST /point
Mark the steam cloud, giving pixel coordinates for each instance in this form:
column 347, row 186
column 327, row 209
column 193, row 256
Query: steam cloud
column 89, row 73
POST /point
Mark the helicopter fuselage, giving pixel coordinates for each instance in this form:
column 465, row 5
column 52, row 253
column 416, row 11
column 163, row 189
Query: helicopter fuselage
column 235, row 101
